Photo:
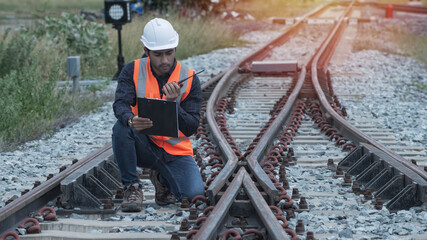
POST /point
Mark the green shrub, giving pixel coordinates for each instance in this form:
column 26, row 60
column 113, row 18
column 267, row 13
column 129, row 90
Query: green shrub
column 27, row 97
column 76, row 36
column 31, row 104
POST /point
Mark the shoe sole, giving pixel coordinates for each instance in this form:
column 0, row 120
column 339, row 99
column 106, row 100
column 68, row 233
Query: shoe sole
column 163, row 203
column 131, row 208
column 153, row 181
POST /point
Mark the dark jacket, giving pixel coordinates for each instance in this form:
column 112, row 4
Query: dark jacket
column 188, row 111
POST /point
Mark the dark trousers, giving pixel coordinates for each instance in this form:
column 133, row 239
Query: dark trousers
column 179, row 173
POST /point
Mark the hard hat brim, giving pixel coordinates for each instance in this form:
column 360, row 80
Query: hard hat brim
column 164, row 47
column 152, row 45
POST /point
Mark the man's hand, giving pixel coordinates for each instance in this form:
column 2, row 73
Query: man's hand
column 171, row 90
column 141, row 123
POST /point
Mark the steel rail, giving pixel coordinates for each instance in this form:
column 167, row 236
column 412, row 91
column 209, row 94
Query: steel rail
column 21, row 208
column 209, row 229
column 212, row 224
column 258, row 152
column 343, row 125
column 38, row 197
column 221, row 89
column 211, row 83
column 406, row 168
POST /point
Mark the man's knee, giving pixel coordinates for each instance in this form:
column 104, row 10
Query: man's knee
column 197, row 189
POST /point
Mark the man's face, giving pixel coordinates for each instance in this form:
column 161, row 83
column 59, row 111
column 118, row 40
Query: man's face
column 161, row 60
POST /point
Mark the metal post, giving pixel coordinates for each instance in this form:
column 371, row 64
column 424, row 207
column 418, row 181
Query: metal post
column 73, row 70
column 120, row 58
column 76, row 85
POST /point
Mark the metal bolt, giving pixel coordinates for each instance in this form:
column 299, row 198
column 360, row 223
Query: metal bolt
column 300, row 229
column 25, row 191
column 62, row 168
column 184, row 225
column 303, row 204
column 185, row 203
column 414, row 161
column 347, row 179
column 291, row 152
column 175, row 236
column 356, row 188
column 344, row 112
column 282, row 177
column 290, row 213
column 285, row 184
column 295, row 193
column 331, row 165
column 378, row 203
column 285, row 162
column 368, row 194
column 282, row 169
column 108, row 203
column 193, row 214
column 74, row 161
column 119, row 193
column 310, row 236
column 36, row 184
column 339, row 171
column 49, row 176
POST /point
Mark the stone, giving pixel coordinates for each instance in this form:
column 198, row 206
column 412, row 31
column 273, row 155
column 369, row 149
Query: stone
column 345, row 233
column 151, row 211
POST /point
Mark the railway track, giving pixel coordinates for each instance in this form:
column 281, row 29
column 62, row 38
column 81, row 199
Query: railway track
column 251, row 150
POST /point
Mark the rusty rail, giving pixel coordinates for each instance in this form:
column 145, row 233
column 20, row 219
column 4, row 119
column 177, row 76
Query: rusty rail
column 37, row 198
column 19, row 209
column 318, row 70
column 211, row 226
column 221, row 89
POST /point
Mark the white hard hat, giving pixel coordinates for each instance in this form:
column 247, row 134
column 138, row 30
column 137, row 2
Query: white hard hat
column 159, row 35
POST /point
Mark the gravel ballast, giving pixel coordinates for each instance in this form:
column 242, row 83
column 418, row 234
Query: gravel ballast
column 35, row 160
column 389, row 89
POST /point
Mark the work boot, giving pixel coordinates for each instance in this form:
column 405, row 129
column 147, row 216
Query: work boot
column 132, row 199
column 163, row 196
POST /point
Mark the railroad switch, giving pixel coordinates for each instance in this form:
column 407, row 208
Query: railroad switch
column 274, row 66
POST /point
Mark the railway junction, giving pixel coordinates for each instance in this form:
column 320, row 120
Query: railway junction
column 289, row 147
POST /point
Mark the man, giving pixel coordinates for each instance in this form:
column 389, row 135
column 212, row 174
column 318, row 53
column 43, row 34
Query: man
column 174, row 172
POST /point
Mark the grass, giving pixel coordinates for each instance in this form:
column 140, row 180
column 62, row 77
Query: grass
column 393, row 39
column 49, row 6
column 413, row 45
column 31, row 103
column 276, row 8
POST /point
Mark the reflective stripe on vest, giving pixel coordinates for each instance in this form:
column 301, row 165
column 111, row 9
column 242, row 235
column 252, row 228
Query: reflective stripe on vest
column 146, row 86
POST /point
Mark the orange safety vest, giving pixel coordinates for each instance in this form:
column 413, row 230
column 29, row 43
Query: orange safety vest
column 146, row 86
